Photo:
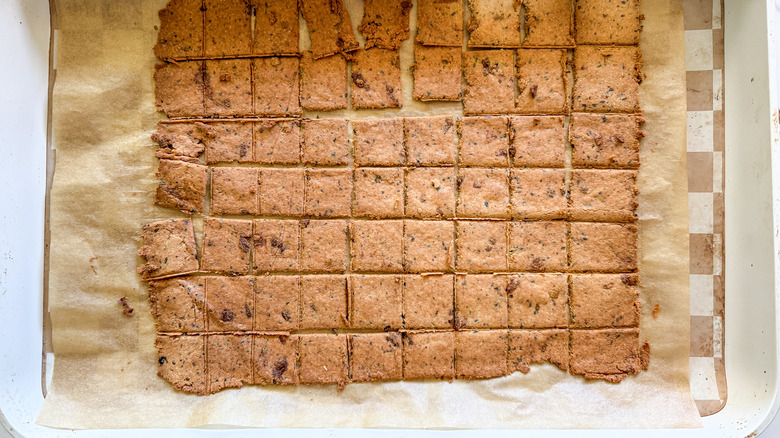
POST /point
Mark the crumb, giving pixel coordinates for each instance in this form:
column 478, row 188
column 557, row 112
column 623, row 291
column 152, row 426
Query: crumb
column 127, row 309
column 656, row 311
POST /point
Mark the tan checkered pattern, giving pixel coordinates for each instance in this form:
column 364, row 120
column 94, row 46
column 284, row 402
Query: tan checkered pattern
column 704, row 65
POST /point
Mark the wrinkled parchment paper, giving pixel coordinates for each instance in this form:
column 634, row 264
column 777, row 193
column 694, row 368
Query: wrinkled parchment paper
column 105, row 367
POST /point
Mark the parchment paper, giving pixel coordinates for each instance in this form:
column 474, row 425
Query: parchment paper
column 105, row 363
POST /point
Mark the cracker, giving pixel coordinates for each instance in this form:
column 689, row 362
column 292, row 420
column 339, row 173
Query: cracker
column 541, row 81
column 229, row 361
column 377, row 245
column 609, row 354
column 607, row 21
column 603, row 195
column 276, row 244
column 430, row 192
column 323, row 82
column 227, row 244
column 230, row 303
column 480, row 354
column 178, row 88
column 430, row 141
column 323, row 302
column 228, row 87
column 282, row 191
column 537, row 246
column 234, row 190
column 181, row 186
column 324, row 359
column 379, row 192
column 538, row 301
column 228, row 28
column 275, row 360
column 605, row 140
column 437, row 73
column 179, row 141
column 429, row 355
column 325, row 141
column 606, row 79
column 168, row 246
column 376, row 79
column 537, row 141
column 277, row 302
column 276, row 27
column 439, row 23
column 277, row 141
column 376, row 302
column 480, row 301
column 385, row 24
column 328, row 192
column 548, row 23
column 538, row 193
column 324, row 245
column 181, row 30
column 494, row 23
column 603, row 301
column 329, row 26
column 428, row 301
column 182, row 362
column 484, row 141
column 428, row 246
column 227, row 142
column 490, row 84
column 483, row 192
column 375, row 356
column 599, row 247
column 379, row 142
column 527, row 347
column 275, row 86
column 481, row 246
column 177, row 304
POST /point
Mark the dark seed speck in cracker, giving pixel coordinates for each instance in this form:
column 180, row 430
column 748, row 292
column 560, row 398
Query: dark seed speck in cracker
column 228, row 28
column 605, row 140
column 325, row 141
column 604, row 300
column 494, row 23
column 385, row 24
column 329, row 26
column 608, row 354
column 490, row 82
column 323, row 82
column 538, row 246
column 603, row 195
column 328, row 192
column 430, row 141
column 179, row 87
column 277, row 141
column 437, row 73
column 181, row 30
column 548, row 23
column 379, row 142
column 228, row 87
column 430, row 192
column 603, row 247
column 182, row 186
column 227, row 142
column 440, row 23
column 275, row 86
column 275, row 360
column 541, row 81
column 428, row 246
column 483, row 193
column 606, row 79
column 537, row 141
column 607, row 21
column 276, row 27
column 484, row 141
column 376, row 79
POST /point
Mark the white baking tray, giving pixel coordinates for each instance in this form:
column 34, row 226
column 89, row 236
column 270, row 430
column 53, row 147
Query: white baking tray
column 752, row 237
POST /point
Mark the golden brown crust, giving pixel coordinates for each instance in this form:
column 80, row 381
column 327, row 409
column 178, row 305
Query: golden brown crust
column 376, row 302
column 168, row 247
column 182, row 362
column 275, row 360
column 430, row 192
column 376, row 79
column 277, row 141
column 323, row 82
column 494, row 23
column 606, row 79
column 234, row 190
column 480, row 354
column 548, row 23
column 276, row 27
column 440, row 23
column 490, row 86
column 228, row 28
column 385, row 24
column 483, row 193
column 324, row 245
column 607, row 21
column 379, row 192
column 538, row 193
column 437, row 73
column 541, row 81
column 182, row 186
column 329, row 25
column 181, row 30
column 605, row 140
column 429, row 355
column 227, row 244
column 328, row 192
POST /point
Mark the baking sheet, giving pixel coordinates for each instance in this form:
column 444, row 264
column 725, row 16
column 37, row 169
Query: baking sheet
column 105, row 372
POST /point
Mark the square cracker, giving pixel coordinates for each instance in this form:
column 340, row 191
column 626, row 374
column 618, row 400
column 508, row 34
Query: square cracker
column 168, row 246
column 484, row 141
column 178, row 88
column 325, row 141
column 324, row 358
column 229, row 361
column 230, row 302
column 277, row 141
column 328, row 192
column 494, row 23
column 276, row 244
column 276, row 27
column 180, row 141
column 375, row 356
column 228, row 87
column 429, row 355
column 177, row 304
column 323, row 302
column 227, row 142
column 440, row 23
column 330, row 27
column 481, row 246
column 324, row 245
column 484, row 193
column 538, row 301
column 490, row 82
column 377, row 245
column 379, row 142
column 605, row 140
column 537, row 141
column 538, row 193
column 182, row 362
column 537, row 246
column 437, row 73
column 181, row 30
column 428, row 301
column 228, row 28
column 600, row 247
column 608, row 354
column 603, row 195
column 379, row 192
column 234, row 190
column 430, row 192
column 275, row 86
column 277, row 302
column 527, row 347
column 541, row 81
column 282, row 191
column 604, row 300
column 275, row 360
column 227, row 244
column 480, row 301
column 376, row 79
column 323, row 82
column 480, row 354
column 430, row 141
column 385, row 24
column 428, row 246
column 606, row 79
column 181, row 186
column 376, row 302
column 548, row 23
column 608, row 21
